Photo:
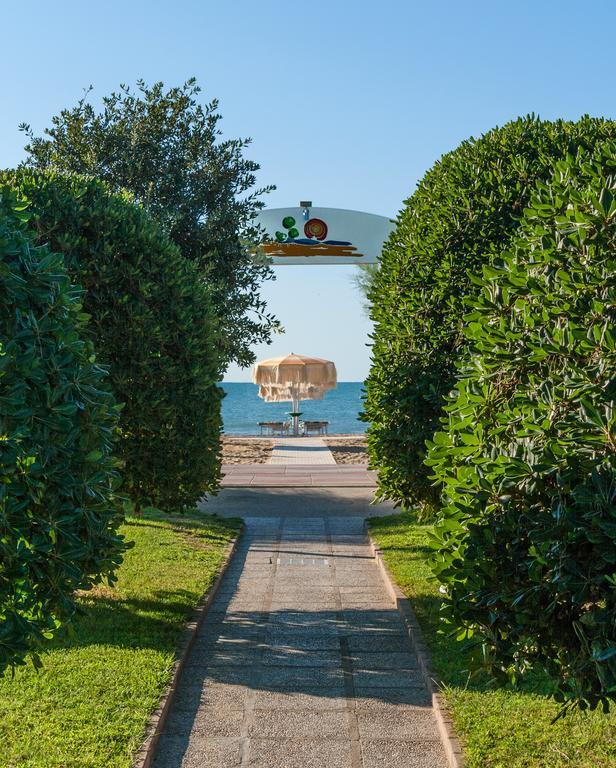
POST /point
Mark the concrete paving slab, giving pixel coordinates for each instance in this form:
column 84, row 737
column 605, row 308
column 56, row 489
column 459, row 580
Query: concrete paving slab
column 354, row 579
column 298, row 724
column 176, row 752
column 209, row 644
column 379, row 660
column 280, row 634
column 402, row 754
column 380, row 701
column 304, row 643
column 207, row 722
column 314, row 606
column 416, row 724
column 286, row 700
column 287, row 482
column 193, row 694
column 224, row 658
column 291, row 753
column 223, row 630
column 240, row 676
column 383, row 678
column 303, row 619
column 395, row 642
column 356, row 603
column 293, row 586
column 284, row 656
column 372, row 619
column 301, row 679
column 298, row 593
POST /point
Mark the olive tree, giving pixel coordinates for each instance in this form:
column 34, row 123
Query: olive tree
column 165, row 147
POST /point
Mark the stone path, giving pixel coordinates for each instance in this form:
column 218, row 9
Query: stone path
column 298, row 475
column 301, row 450
column 302, row 661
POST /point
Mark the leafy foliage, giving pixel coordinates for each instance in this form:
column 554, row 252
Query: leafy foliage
column 88, row 706
column 58, row 515
column 151, row 322
column 526, row 545
column 363, row 280
column 164, row 147
column 510, row 726
column 469, row 201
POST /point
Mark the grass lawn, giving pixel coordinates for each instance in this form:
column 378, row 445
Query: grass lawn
column 89, row 705
column 499, row 728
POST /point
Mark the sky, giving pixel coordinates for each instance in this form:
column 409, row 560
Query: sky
column 348, row 103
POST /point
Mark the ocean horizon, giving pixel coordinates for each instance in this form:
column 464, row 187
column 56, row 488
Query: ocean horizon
column 243, row 409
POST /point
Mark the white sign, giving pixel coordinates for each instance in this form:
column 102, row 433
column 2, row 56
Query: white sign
column 307, row 235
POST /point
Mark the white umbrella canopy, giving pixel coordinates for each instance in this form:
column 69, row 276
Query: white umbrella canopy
column 288, row 394
column 295, row 369
column 293, row 378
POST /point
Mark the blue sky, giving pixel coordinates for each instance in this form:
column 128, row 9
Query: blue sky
column 348, row 104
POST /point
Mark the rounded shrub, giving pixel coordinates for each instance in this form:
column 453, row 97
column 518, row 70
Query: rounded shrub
column 58, row 514
column 152, row 324
column 526, row 542
column 468, row 202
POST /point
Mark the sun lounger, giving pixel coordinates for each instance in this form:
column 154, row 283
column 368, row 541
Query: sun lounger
column 320, row 427
column 274, row 427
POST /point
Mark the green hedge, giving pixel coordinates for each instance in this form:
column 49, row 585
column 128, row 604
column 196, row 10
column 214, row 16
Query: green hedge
column 151, row 323
column 526, row 545
column 469, row 202
column 58, row 516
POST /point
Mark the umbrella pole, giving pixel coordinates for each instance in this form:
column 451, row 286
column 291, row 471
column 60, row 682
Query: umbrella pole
column 295, row 416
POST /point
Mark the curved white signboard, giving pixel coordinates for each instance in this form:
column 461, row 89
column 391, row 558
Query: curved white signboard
column 307, row 235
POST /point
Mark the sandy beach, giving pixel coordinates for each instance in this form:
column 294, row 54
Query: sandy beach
column 246, row 450
column 346, row 449
column 349, row 449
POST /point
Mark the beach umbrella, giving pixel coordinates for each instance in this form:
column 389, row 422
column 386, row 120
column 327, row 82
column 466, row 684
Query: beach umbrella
column 293, row 378
column 287, row 395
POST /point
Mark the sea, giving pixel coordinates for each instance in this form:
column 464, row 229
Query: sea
column 242, row 409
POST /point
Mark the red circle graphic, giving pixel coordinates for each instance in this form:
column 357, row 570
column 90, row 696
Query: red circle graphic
column 316, row 228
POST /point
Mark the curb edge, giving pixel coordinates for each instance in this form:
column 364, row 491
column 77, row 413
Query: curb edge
column 451, row 743
column 144, row 757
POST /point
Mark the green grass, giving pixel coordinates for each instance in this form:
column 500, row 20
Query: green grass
column 501, row 728
column 89, row 705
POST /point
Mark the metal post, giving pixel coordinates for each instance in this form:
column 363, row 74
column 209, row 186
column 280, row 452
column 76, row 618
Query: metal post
column 295, row 411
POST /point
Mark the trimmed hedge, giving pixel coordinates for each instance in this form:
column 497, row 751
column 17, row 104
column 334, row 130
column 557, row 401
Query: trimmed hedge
column 526, row 544
column 151, row 323
column 58, row 514
column 467, row 203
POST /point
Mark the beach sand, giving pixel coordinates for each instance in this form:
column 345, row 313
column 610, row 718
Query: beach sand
column 348, row 450
column 246, row 450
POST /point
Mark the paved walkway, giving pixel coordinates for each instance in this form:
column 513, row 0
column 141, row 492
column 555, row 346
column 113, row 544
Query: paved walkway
column 302, row 661
column 298, row 475
column 301, row 450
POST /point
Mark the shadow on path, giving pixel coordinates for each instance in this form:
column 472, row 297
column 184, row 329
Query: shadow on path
column 302, row 659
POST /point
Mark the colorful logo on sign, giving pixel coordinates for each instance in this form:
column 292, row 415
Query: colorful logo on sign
column 315, row 242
